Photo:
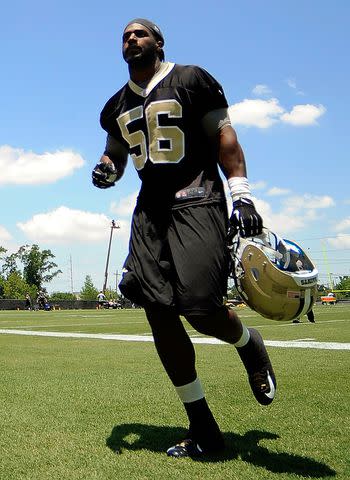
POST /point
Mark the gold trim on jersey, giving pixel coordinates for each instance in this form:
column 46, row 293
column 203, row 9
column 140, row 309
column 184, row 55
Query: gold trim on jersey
column 165, row 68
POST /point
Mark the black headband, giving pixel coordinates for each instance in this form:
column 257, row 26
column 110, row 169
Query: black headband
column 152, row 27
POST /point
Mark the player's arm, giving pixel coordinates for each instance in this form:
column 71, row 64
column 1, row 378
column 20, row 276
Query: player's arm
column 244, row 218
column 111, row 165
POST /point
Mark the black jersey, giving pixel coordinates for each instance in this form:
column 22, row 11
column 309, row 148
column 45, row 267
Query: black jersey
column 161, row 127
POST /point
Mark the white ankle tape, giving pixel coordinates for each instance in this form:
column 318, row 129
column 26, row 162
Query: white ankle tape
column 244, row 338
column 190, row 392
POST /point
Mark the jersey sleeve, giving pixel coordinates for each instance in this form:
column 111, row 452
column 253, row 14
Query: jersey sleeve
column 117, row 152
column 108, row 117
column 215, row 120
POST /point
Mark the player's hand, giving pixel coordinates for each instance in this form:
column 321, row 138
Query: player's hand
column 245, row 219
column 104, row 175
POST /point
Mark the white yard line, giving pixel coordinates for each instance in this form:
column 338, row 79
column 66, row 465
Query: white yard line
column 301, row 344
column 149, row 338
column 301, row 324
column 304, row 340
column 40, row 325
column 117, row 323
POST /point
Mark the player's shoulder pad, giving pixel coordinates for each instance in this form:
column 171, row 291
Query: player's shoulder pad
column 109, row 110
column 194, row 76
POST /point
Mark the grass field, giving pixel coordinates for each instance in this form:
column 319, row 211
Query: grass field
column 94, row 408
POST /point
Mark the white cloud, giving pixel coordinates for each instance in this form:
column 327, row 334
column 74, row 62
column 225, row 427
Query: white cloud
column 5, row 235
column 260, row 90
column 340, row 242
column 7, row 241
column 291, row 83
column 260, row 185
column 125, row 206
column 280, row 222
column 64, row 225
column 302, row 115
column 265, row 113
column 308, row 202
column 123, row 233
column 295, row 213
column 276, row 191
column 343, row 225
column 256, row 113
column 19, row 167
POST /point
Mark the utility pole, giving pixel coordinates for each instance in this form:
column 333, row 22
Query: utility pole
column 331, row 286
column 117, row 275
column 71, row 273
column 113, row 226
column 116, row 281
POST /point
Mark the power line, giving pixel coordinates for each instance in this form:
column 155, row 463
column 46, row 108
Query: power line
column 332, row 260
column 335, row 250
column 325, row 238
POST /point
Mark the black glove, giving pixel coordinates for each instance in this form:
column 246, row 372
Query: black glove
column 245, row 218
column 104, row 175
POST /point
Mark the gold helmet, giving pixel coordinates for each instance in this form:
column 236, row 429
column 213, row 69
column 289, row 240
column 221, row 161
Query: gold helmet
column 274, row 276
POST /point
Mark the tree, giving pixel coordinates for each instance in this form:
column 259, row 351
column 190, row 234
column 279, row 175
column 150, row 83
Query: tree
column 55, row 296
column 89, row 291
column 37, row 265
column 111, row 294
column 15, row 287
column 10, row 264
column 344, row 284
column 2, row 283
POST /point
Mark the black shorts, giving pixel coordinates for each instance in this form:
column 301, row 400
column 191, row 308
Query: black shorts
column 178, row 259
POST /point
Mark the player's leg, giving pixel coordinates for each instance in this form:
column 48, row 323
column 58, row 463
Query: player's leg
column 225, row 325
column 189, row 230
column 173, row 344
column 201, row 258
column 146, row 281
column 177, row 355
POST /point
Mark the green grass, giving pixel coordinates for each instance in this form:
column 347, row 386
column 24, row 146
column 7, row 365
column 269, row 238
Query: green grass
column 104, row 409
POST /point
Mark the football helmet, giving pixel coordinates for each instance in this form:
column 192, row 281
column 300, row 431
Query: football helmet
column 274, row 276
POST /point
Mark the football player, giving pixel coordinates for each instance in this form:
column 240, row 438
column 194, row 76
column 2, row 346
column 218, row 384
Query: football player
column 173, row 122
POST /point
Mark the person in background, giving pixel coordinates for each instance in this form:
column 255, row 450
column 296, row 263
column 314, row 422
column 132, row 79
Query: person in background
column 28, row 304
column 310, row 316
column 101, row 299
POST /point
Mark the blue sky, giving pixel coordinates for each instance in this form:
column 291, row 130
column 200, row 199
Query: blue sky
column 285, row 71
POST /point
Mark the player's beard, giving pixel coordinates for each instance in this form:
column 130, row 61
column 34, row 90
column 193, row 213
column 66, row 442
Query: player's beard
column 146, row 57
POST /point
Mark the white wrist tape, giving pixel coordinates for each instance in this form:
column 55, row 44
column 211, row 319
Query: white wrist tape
column 239, row 187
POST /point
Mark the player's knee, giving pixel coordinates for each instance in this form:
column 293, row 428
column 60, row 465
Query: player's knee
column 208, row 324
column 160, row 316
